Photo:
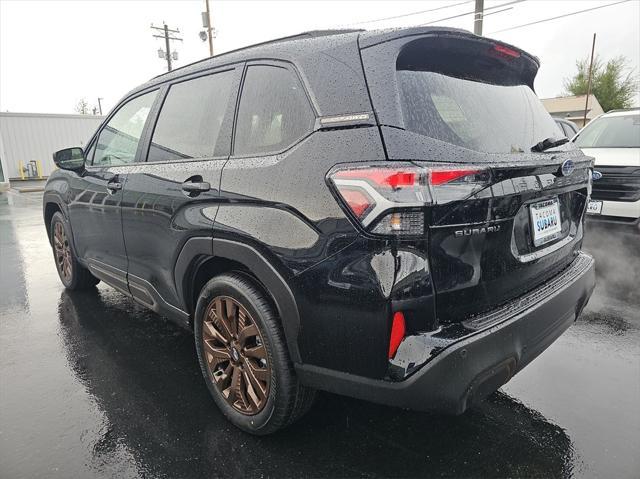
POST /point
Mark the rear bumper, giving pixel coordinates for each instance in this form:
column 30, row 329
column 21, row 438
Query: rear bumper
column 476, row 365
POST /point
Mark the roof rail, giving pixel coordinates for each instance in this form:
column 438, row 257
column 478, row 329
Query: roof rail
column 297, row 36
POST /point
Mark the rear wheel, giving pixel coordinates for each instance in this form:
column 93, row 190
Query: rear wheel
column 244, row 359
column 72, row 274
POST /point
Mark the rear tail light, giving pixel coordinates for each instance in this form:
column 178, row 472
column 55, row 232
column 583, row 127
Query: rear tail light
column 506, row 51
column 390, row 200
column 441, row 177
column 401, row 222
column 398, row 331
column 359, row 201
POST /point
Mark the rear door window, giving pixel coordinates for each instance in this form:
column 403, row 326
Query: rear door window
column 191, row 118
column 274, row 111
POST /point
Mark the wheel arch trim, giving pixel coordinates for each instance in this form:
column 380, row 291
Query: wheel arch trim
column 196, row 248
column 51, row 198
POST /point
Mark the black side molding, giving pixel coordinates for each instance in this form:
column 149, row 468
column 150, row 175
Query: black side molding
column 197, row 248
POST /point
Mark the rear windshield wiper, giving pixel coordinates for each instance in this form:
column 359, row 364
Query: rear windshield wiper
column 548, row 143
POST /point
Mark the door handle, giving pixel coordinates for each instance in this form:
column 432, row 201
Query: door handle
column 195, row 186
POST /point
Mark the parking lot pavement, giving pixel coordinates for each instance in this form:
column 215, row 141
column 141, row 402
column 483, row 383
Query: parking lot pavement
column 92, row 385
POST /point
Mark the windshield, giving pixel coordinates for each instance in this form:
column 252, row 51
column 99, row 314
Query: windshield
column 611, row 132
column 479, row 116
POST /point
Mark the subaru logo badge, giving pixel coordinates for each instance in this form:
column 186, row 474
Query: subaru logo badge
column 567, row 167
column 595, row 175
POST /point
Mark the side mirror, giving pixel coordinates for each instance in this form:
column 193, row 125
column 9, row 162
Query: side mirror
column 69, row 159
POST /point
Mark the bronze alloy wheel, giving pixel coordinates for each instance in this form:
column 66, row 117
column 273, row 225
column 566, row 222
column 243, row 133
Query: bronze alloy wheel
column 235, row 355
column 62, row 251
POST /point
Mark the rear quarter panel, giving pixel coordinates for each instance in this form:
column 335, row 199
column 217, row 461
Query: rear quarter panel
column 281, row 206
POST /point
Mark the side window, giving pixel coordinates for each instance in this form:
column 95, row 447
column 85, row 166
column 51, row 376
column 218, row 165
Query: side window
column 274, row 111
column 568, row 131
column 118, row 140
column 191, row 118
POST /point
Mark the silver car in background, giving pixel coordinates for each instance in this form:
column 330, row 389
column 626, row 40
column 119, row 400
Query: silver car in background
column 613, row 139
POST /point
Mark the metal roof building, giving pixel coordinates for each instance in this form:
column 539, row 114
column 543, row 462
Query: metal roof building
column 29, row 138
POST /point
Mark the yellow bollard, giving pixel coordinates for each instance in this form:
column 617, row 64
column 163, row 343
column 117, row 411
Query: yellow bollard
column 21, row 169
column 39, row 169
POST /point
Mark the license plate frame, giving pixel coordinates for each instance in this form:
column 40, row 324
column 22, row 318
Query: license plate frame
column 594, row 207
column 546, row 221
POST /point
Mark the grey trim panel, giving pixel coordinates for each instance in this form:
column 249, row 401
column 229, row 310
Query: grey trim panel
column 139, row 289
column 114, row 277
column 145, row 293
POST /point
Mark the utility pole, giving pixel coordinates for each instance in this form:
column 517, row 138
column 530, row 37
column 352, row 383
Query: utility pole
column 168, row 35
column 586, row 101
column 477, row 18
column 100, row 105
column 209, row 29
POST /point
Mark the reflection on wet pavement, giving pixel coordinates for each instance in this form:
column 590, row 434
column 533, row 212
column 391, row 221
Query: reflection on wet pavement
column 91, row 385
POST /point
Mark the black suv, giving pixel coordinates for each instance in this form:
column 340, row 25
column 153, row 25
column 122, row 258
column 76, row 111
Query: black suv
column 388, row 215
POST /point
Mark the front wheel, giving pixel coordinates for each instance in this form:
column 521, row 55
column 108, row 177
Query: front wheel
column 72, row 274
column 244, row 359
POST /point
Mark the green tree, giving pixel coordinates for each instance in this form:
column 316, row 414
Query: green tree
column 612, row 83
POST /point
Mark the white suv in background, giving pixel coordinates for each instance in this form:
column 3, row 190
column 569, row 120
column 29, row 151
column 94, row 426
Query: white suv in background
column 613, row 139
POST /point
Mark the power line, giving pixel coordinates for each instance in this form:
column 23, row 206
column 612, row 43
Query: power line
column 559, row 16
column 410, row 14
column 473, row 13
column 497, row 11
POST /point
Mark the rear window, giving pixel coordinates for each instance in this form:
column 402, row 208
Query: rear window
column 473, row 96
column 474, row 115
column 611, row 132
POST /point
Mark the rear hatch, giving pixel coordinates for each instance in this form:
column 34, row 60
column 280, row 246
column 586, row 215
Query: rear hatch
column 500, row 219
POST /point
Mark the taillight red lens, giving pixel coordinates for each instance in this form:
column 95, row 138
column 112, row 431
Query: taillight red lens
column 398, row 331
column 440, row 177
column 506, row 51
column 358, row 201
column 385, row 177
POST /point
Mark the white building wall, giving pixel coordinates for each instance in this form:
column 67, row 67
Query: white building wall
column 36, row 136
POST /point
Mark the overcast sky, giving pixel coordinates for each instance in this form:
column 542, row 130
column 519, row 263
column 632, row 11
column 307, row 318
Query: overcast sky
column 52, row 53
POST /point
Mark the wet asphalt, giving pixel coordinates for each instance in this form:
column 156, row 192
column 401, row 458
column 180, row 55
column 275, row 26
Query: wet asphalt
column 92, row 385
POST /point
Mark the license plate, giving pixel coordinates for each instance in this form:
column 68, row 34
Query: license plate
column 594, row 207
column 546, row 223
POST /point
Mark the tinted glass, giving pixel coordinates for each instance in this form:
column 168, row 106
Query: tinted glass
column 479, row 116
column 190, row 118
column 118, row 140
column 611, row 132
column 274, row 111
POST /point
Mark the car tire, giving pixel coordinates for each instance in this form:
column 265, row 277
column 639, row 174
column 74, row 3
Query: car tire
column 258, row 404
column 73, row 275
